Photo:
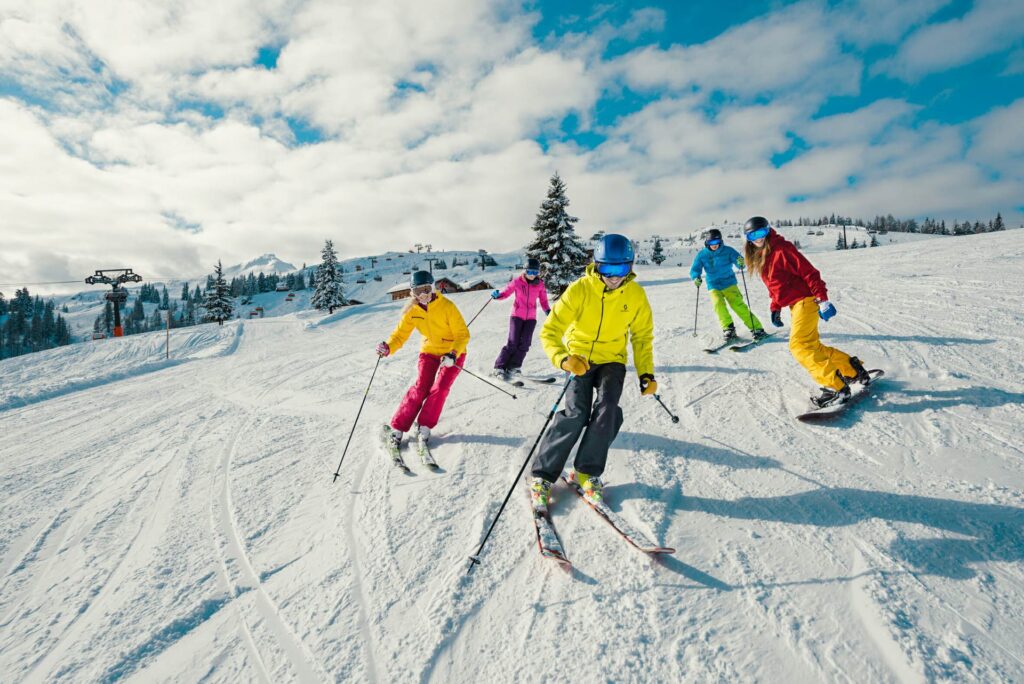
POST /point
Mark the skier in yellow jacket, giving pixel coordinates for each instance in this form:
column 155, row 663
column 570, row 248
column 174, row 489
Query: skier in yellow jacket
column 442, row 354
column 586, row 334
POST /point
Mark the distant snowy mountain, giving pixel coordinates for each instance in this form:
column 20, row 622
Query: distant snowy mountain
column 268, row 263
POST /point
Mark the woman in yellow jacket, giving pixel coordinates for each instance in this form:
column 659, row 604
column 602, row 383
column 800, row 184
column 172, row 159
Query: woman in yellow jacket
column 586, row 335
column 442, row 354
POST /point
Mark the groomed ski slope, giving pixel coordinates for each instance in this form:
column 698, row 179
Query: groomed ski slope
column 181, row 523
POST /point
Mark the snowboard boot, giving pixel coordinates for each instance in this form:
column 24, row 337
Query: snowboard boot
column 591, row 485
column 729, row 333
column 759, row 334
column 830, row 396
column 862, row 376
column 540, row 494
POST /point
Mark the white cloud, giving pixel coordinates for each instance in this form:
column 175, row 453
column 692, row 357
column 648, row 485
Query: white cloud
column 988, row 27
column 795, row 47
column 999, row 136
column 869, row 22
column 429, row 110
column 862, row 124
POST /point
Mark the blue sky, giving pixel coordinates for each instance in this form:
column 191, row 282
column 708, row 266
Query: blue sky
column 268, row 126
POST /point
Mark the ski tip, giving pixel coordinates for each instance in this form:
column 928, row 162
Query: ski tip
column 660, row 551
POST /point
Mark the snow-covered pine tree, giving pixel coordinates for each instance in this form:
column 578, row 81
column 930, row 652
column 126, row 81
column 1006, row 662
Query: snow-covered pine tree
column 329, row 291
column 555, row 245
column 657, row 254
column 217, row 303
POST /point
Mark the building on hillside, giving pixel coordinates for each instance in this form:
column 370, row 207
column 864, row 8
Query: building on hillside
column 474, row 285
column 400, row 291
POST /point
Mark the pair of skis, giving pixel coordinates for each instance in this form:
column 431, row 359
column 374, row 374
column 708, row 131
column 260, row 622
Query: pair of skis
column 518, row 380
column 394, row 452
column 550, row 545
column 737, row 344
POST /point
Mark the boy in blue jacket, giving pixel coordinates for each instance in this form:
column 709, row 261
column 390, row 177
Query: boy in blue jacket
column 717, row 259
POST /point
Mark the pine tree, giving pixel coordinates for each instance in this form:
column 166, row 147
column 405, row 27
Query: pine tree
column 555, row 245
column 874, row 241
column 657, row 254
column 218, row 303
column 998, row 223
column 329, row 291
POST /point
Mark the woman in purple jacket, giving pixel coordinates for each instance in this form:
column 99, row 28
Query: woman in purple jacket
column 528, row 289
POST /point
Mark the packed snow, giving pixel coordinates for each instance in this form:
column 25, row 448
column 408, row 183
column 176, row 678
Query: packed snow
column 179, row 521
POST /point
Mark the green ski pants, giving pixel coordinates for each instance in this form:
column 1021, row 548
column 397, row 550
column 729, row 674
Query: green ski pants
column 731, row 296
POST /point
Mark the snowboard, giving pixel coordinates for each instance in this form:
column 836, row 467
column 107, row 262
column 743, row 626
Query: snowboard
column 857, row 392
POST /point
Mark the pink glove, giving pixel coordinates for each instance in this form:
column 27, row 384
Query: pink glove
column 383, row 349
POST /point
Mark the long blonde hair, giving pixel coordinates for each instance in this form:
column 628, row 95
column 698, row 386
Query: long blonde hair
column 756, row 257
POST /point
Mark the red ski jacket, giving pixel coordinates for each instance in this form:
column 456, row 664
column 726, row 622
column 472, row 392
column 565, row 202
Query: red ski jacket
column 789, row 276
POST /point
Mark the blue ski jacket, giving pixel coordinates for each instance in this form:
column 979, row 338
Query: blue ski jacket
column 718, row 265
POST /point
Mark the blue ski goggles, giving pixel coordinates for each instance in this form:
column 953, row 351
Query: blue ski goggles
column 532, row 272
column 712, row 243
column 755, row 235
column 614, row 270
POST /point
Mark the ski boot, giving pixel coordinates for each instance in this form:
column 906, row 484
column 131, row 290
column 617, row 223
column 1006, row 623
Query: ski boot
column 759, row 334
column 862, row 376
column 729, row 333
column 590, row 485
column 540, row 494
column 514, row 373
column 500, row 373
column 423, row 447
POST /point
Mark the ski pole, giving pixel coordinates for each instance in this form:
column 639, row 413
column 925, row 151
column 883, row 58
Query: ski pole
column 356, row 422
column 695, row 307
column 475, row 558
column 500, row 389
column 675, row 418
column 489, row 300
column 749, row 310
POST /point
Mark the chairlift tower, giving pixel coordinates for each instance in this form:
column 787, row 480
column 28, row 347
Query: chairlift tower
column 115, row 277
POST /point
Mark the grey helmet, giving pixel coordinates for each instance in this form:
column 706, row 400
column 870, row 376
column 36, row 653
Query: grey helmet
column 420, row 278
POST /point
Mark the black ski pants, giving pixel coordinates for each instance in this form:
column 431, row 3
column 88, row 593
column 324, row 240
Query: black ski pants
column 597, row 420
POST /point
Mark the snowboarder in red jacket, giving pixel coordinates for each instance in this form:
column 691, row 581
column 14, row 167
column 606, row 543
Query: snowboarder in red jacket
column 793, row 282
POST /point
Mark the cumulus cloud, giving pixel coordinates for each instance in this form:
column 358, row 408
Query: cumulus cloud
column 147, row 135
column 988, row 27
column 779, row 51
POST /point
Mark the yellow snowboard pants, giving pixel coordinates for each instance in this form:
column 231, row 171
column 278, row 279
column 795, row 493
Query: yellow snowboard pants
column 820, row 361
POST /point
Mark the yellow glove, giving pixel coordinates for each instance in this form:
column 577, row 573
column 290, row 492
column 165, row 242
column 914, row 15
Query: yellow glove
column 647, row 384
column 575, row 364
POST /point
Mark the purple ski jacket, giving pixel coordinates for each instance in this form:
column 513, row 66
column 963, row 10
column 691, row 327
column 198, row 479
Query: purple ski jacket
column 527, row 294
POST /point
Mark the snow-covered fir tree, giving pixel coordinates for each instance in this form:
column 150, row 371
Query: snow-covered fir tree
column 217, row 303
column 329, row 282
column 657, row 254
column 556, row 245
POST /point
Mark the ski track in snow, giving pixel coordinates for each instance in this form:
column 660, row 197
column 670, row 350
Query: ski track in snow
column 183, row 524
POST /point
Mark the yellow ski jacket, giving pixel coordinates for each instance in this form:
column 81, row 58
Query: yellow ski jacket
column 440, row 323
column 595, row 322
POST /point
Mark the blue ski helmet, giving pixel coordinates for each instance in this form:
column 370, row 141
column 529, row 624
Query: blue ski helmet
column 420, row 278
column 614, row 249
column 613, row 256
